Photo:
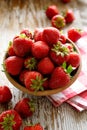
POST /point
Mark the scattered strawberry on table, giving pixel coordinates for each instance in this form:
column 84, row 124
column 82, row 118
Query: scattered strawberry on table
column 40, row 66
column 59, row 19
column 34, row 127
column 74, row 34
column 5, row 94
column 25, row 107
column 10, row 120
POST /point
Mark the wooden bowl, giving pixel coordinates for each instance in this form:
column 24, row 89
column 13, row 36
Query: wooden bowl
column 46, row 92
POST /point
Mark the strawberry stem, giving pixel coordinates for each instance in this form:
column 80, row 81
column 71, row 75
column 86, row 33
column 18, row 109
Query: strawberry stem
column 37, row 84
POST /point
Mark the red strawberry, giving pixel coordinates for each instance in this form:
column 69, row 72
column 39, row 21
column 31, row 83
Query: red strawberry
column 59, row 78
column 74, row 34
column 21, row 76
column 74, row 59
column 10, row 120
column 51, row 35
column 66, row 1
column 30, row 63
column 5, row 94
column 59, row 53
column 13, row 65
column 51, row 11
column 46, row 84
column 22, row 45
column 58, row 21
column 34, row 127
column 62, row 39
column 11, row 51
column 45, row 66
column 69, row 16
column 38, row 34
column 25, row 107
column 33, row 81
column 40, row 49
column 27, row 33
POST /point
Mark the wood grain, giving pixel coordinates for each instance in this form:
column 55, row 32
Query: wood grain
column 16, row 15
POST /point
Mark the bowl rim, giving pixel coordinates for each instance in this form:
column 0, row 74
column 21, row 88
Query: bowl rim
column 46, row 92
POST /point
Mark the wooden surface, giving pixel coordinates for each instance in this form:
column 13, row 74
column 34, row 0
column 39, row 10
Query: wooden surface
column 18, row 14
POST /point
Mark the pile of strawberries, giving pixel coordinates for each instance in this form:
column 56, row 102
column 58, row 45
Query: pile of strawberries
column 59, row 19
column 43, row 60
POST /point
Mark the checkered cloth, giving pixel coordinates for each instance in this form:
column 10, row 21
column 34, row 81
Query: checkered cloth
column 76, row 94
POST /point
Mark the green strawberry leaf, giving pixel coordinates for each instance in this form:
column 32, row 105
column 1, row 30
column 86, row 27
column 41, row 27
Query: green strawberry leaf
column 69, row 69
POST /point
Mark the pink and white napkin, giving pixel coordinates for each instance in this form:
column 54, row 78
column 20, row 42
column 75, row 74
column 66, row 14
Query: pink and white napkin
column 76, row 94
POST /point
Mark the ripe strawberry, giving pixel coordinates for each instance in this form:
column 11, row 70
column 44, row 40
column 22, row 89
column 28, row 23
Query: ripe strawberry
column 58, row 21
column 66, row 1
column 51, row 35
column 74, row 34
column 40, row 49
column 13, row 65
column 45, row 66
column 38, row 34
column 69, row 16
column 21, row 76
column 51, row 11
column 74, row 59
column 27, row 33
column 10, row 120
column 60, row 77
column 11, row 51
column 34, row 127
column 62, row 39
column 30, row 63
column 25, row 107
column 59, row 53
column 33, row 81
column 5, row 94
column 22, row 45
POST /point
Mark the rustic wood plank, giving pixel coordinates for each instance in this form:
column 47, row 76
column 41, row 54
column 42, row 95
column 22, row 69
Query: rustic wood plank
column 16, row 15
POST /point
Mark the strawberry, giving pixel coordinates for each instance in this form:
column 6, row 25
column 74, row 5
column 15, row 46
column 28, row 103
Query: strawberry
column 62, row 39
column 13, row 65
column 51, row 35
column 45, row 66
column 27, row 33
column 34, row 81
column 38, row 34
column 11, row 51
column 25, row 107
column 51, row 11
column 59, row 53
column 21, row 76
column 40, row 49
column 58, row 21
column 10, row 120
column 74, row 34
column 22, row 45
column 66, row 1
column 5, row 94
column 34, row 127
column 60, row 77
column 74, row 59
column 30, row 63
column 69, row 16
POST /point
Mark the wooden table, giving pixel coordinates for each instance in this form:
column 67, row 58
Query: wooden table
column 16, row 15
